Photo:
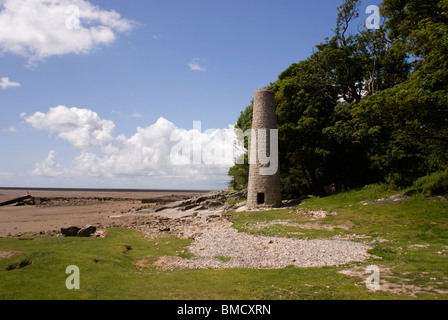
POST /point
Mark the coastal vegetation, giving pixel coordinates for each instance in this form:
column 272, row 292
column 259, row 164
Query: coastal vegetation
column 368, row 106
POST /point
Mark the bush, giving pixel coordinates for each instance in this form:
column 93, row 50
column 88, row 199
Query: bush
column 433, row 184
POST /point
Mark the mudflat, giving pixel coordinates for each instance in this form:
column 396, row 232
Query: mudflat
column 57, row 209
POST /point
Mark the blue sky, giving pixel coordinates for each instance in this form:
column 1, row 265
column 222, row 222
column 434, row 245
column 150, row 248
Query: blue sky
column 132, row 70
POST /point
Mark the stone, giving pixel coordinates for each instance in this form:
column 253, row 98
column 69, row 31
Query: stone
column 70, row 231
column 214, row 203
column 200, row 199
column 160, row 208
column 190, row 206
column 86, row 232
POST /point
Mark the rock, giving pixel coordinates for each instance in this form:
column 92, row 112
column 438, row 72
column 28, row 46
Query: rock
column 70, row 231
column 241, row 209
column 186, row 202
column 214, row 203
column 227, row 207
column 190, row 206
column 240, row 204
column 200, row 199
column 213, row 216
column 160, row 208
column 86, row 232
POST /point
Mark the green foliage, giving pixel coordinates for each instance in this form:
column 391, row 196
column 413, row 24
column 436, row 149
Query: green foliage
column 367, row 107
column 408, row 139
column 433, row 184
column 240, row 176
column 245, row 120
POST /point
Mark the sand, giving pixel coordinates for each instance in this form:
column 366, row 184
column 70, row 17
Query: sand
column 72, row 208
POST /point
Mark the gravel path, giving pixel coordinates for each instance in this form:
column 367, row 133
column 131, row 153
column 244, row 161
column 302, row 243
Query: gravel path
column 217, row 245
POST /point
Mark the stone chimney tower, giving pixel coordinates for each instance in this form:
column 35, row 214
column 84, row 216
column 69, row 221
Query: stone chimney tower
column 264, row 187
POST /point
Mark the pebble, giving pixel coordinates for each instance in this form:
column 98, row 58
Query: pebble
column 220, row 239
column 216, row 244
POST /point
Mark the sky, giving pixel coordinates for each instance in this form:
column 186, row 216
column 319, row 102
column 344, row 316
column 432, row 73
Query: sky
column 111, row 93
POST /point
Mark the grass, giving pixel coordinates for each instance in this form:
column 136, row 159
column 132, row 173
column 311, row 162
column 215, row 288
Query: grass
column 410, row 238
column 409, row 242
column 433, row 184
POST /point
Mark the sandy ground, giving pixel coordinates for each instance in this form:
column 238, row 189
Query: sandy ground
column 71, row 208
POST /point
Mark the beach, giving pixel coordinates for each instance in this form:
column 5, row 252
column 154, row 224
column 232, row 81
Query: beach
column 76, row 207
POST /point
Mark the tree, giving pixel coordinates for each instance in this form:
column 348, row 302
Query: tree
column 420, row 28
column 366, row 107
column 412, row 117
column 320, row 141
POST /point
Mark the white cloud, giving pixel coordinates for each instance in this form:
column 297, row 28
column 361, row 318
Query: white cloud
column 5, row 83
column 48, row 167
column 135, row 115
column 11, row 129
column 195, row 66
column 83, row 128
column 160, row 151
column 38, row 29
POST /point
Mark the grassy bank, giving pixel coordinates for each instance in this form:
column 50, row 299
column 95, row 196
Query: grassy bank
column 409, row 240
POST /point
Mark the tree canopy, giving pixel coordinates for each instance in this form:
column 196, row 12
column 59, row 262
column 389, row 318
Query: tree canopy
column 365, row 107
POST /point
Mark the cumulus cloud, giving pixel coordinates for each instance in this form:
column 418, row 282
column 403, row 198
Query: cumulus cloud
column 83, row 128
column 48, row 167
column 38, row 29
column 5, row 83
column 160, row 150
column 195, row 66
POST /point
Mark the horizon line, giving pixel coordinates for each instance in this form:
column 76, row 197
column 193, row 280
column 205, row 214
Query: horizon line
column 106, row 189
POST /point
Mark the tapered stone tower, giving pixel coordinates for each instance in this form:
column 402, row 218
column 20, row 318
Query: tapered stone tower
column 264, row 189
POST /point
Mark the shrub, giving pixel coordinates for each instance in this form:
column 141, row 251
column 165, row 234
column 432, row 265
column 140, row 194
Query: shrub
column 433, row 184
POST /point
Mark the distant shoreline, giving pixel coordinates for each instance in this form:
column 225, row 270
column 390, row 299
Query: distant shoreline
column 108, row 190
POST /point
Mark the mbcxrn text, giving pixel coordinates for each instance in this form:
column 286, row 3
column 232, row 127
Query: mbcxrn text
column 244, row 309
